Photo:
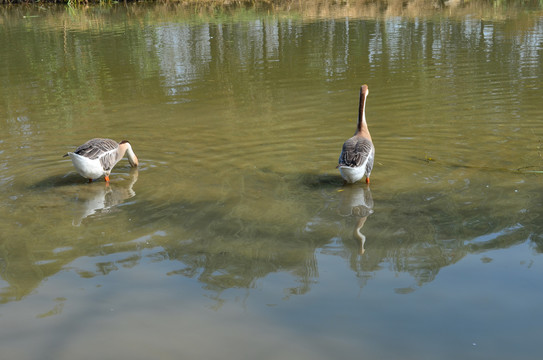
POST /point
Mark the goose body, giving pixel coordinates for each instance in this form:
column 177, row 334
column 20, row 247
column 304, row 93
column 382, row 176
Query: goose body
column 97, row 157
column 358, row 152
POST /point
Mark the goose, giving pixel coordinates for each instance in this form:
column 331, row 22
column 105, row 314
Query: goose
column 357, row 154
column 97, row 157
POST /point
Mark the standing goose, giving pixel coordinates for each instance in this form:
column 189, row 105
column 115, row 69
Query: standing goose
column 97, row 157
column 357, row 154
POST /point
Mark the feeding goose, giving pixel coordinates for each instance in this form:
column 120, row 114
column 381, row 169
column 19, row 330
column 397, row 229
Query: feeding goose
column 97, row 157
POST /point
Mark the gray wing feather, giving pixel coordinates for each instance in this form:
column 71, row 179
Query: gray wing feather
column 95, row 148
column 108, row 160
column 369, row 165
column 103, row 149
column 355, row 151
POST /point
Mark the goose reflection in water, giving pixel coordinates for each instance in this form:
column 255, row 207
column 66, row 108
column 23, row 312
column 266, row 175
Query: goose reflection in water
column 99, row 198
column 357, row 202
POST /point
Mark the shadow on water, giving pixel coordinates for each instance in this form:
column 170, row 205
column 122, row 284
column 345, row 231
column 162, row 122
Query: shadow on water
column 73, row 178
column 58, row 181
column 320, row 181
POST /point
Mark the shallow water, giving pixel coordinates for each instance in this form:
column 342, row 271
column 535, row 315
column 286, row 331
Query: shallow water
column 235, row 237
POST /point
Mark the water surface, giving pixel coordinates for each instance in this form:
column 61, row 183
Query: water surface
column 235, row 237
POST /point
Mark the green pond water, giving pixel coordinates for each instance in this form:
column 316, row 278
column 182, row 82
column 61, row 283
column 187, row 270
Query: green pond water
column 236, row 238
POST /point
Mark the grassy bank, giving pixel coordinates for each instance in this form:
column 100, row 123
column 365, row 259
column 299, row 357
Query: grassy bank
column 317, row 8
column 298, row 3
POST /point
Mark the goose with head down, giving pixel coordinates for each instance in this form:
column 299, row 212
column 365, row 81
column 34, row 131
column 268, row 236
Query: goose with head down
column 357, row 154
column 97, row 157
